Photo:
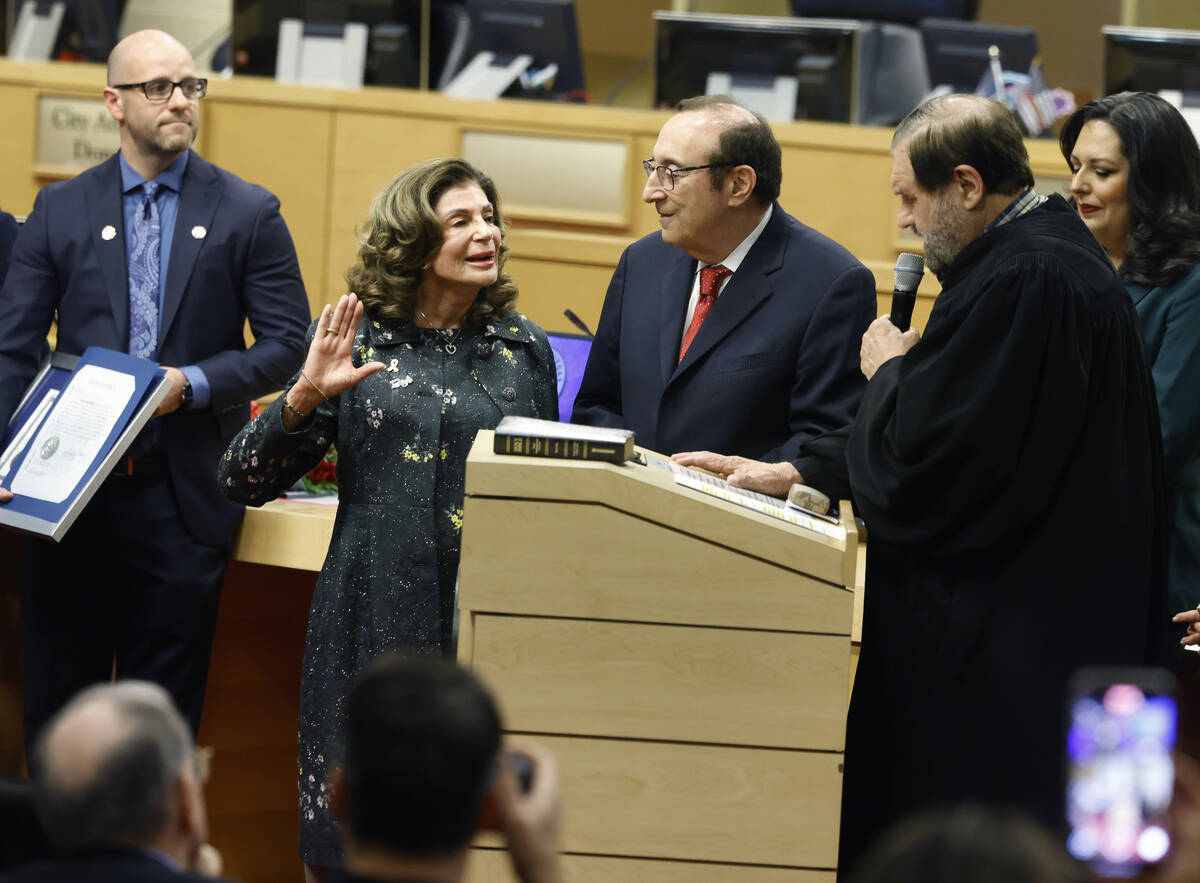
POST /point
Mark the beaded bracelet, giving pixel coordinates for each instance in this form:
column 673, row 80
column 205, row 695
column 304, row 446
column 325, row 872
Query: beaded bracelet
column 287, row 406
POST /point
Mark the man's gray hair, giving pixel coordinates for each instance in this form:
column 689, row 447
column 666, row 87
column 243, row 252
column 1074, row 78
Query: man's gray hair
column 120, row 794
column 952, row 130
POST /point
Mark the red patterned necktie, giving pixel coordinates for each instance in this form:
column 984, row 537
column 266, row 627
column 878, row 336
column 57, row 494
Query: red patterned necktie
column 710, row 282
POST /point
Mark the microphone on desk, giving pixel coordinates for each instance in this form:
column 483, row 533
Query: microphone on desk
column 909, row 269
column 578, row 323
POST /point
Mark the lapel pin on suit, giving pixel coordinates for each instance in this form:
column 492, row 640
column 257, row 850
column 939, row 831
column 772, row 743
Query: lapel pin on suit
column 199, row 232
column 109, row 232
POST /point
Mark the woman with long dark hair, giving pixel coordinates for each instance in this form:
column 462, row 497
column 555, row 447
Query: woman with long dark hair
column 1135, row 168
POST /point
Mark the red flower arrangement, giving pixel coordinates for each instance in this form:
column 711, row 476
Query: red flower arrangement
column 322, row 478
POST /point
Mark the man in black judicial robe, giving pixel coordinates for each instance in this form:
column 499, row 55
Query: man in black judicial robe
column 1007, row 465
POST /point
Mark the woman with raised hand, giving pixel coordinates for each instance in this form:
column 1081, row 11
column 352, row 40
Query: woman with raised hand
column 400, row 375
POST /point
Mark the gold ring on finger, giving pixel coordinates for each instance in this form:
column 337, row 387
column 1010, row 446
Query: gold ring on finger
column 331, row 330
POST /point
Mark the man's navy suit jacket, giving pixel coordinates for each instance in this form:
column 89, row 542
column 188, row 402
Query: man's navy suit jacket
column 8, row 235
column 232, row 259
column 775, row 363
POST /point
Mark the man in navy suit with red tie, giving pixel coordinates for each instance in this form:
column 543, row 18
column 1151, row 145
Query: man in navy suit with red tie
column 158, row 253
column 735, row 329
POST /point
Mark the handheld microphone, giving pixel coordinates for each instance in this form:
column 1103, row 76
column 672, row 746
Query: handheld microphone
column 909, row 269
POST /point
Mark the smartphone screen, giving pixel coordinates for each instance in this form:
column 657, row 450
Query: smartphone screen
column 1120, row 772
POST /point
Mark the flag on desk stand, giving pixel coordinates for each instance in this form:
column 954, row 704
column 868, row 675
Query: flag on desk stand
column 992, row 83
column 997, row 72
column 1042, row 94
column 1036, row 105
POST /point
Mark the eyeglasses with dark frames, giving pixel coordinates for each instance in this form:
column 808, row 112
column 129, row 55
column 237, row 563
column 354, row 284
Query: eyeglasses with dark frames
column 666, row 174
column 161, row 89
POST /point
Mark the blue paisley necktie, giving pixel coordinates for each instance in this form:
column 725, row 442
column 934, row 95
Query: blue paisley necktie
column 143, row 275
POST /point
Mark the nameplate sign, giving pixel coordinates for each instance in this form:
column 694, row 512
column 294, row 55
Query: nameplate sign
column 74, row 133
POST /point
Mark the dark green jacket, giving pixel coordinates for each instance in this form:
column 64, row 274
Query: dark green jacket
column 1169, row 321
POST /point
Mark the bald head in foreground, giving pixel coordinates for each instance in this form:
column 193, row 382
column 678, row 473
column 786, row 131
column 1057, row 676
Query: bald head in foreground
column 118, row 789
column 1007, row 464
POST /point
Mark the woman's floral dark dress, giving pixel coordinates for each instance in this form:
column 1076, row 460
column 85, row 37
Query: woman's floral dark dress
column 402, row 437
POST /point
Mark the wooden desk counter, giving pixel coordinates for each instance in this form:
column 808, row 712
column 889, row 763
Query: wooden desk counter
column 252, row 702
column 284, row 533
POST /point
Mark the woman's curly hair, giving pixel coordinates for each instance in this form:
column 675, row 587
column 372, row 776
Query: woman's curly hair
column 402, row 233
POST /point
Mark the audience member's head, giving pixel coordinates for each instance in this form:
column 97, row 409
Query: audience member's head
column 423, row 769
column 116, row 768
column 968, row 843
column 422, row 738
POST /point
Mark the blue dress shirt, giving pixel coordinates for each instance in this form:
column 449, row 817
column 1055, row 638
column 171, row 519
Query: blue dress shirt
column 170, row 186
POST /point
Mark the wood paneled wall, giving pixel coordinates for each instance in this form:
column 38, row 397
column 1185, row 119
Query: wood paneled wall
column 326, row 152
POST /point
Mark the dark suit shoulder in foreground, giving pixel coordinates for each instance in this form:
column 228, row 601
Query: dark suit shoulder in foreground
column 120, row 866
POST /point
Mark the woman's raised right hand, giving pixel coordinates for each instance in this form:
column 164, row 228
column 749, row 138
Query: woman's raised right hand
column 329, row 367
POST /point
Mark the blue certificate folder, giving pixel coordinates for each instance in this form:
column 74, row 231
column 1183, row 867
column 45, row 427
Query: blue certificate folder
column 38, row 407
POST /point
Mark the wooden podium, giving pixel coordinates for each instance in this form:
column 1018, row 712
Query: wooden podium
column 686, row 659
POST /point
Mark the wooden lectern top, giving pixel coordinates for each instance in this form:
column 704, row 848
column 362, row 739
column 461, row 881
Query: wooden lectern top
column 650, row 492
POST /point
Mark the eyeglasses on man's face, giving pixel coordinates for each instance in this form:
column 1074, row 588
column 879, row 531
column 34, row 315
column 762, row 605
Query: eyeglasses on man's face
column 666, row 174
column 160, row 89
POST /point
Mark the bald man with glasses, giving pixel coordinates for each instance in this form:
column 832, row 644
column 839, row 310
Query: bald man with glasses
column 734, row 329
column 160, row 254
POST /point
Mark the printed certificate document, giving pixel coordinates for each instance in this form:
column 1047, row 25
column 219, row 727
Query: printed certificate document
column 75, row 421
column 68, row 442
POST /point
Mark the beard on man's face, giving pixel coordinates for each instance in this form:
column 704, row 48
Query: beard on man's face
column 164, row 136
column 946, row 234
column 170, row 141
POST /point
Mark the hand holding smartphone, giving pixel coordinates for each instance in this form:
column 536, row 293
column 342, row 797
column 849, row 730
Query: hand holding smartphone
column 1120, row 769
